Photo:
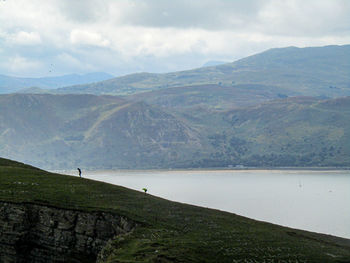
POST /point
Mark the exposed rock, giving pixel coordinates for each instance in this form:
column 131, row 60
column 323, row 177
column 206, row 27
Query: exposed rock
column 36, row 233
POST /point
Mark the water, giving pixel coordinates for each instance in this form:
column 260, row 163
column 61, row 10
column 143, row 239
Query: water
column 317, row 201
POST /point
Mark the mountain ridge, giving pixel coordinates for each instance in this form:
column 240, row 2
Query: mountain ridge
column 307, row 71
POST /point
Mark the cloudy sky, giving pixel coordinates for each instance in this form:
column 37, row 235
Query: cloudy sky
column 55, row 37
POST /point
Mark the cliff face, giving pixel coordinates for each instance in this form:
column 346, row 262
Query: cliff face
column 36, row 233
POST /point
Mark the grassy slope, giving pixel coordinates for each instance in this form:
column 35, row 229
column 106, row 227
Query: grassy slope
column 170, row 231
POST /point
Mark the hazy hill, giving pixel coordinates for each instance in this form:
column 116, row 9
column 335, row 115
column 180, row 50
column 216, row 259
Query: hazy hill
column 68, row 130
column 310, row 71
column 47, row 217
column 65, row 131
column 10, row 84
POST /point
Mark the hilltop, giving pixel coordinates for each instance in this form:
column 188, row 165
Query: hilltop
column 151, row 229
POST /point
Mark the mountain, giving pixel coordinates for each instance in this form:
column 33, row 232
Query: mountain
column 48, row 217
column 313, row 71
column 67, row 131
column 58, row 131
column 294, row 132
column 12, row 84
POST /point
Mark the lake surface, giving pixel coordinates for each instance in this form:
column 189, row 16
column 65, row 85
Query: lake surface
column 317, row 201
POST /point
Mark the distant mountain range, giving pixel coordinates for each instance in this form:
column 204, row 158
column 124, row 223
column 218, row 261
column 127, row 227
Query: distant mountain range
column 314, row 71
column 10, row 84
column 65, row 131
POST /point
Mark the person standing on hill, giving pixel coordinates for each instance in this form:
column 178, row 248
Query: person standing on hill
column 79, row 172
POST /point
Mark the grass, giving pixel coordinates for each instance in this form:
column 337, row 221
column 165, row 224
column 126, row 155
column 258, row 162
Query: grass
column 169, row 231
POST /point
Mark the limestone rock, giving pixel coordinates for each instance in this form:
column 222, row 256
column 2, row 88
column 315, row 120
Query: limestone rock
column 37, row 233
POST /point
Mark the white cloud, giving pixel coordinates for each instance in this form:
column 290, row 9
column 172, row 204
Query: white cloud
column 84, row 37
column 72, row 62
column 315, row 18
column 21, row 64
column 25, row 38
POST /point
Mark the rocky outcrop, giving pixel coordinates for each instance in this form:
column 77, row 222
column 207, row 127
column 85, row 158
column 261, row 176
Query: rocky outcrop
column 37, row 233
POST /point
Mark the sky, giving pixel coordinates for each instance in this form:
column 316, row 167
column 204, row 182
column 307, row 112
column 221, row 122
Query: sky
column 55, row 37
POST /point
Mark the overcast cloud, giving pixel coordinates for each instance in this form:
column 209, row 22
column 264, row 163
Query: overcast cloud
column 54, row 37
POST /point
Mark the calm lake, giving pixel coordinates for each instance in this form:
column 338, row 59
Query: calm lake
column 317, row 201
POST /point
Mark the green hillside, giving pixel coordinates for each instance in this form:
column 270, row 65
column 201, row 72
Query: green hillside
column 169, row 231
column 310, row 71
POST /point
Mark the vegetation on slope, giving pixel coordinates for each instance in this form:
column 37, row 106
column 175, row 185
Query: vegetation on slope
column 169, row 231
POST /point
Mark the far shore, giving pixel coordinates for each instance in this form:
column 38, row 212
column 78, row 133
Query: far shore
column 212, row 169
